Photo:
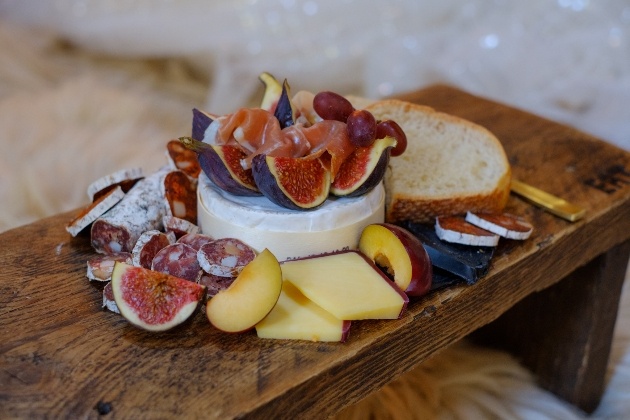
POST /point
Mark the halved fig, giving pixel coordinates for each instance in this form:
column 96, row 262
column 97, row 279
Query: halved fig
column 273, row 90
column 152, row 300
column 295, row 183
column 200, row 123
column 222, row 164
column 363, row 169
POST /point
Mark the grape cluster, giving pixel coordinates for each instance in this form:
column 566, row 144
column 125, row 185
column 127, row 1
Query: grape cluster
column 363, row 128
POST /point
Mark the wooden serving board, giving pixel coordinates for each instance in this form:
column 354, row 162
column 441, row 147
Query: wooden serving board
column 62, row 356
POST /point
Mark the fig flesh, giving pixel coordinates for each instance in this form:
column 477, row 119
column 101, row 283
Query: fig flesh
column 295, row 183
column 222, row 164
column 152, row 300
column 363, row 169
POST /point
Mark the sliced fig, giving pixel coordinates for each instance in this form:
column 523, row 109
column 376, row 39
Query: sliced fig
column 200, row 123
column 285, row 111
column 222, row 164
column 296, row 183
column 152, row 300
column 363, row 169
column 273, row 90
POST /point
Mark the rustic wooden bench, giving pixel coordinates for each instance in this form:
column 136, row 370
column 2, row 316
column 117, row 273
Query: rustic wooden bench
column 552, row 300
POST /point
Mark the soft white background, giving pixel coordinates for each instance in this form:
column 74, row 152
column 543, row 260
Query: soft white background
column 88, row 87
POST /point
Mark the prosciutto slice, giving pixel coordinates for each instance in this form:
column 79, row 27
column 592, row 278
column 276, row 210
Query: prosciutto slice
column 256, row 131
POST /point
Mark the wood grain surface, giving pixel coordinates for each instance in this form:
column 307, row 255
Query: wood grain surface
column 62, row 356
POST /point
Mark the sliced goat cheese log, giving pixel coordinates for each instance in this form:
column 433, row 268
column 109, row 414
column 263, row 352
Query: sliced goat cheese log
column 456, row 229
column 503, row 224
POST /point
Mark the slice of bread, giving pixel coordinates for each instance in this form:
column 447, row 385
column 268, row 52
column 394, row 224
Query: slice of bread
column 451, row 165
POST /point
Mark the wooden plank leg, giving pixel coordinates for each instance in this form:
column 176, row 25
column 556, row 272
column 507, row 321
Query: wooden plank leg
column 563, row 334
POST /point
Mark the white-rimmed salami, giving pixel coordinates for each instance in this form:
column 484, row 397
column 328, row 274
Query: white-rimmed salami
column 179, row 260
column 94, row 210
column 183, row 159
column 100, row 267
column 179, row 227
column 140, row 210
column 108, row 299
column 180, row 194
column 147, row 246
column 125, row 178
column 196, row 240
column 215, row 284
column 225, row 257
column 457, row 230
column 503, row 224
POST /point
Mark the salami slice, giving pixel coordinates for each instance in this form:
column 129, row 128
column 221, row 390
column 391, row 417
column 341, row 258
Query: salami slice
column 108, row 299
column 179, row 227
column 457, row 230
column 100, row 267
column 125, row 178
column 147, row 246
column 503, row 224
column 215, row 284
column 94, row 210
column 179, row 260
column 140, row 210
column 183, row 159
column 225, row 257
column 196, row 240
column 181, row 196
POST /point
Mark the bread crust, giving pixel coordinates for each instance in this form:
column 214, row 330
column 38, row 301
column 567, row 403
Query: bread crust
column 403, row 205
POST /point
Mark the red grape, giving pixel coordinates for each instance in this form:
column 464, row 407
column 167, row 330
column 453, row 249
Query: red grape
column 392, row 129
column 361, row 128
column 332, row 106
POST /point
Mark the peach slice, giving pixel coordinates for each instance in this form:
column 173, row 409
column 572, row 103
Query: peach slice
column 295, row 317
column 347, row 285
column 401, row 254
column 251, row 296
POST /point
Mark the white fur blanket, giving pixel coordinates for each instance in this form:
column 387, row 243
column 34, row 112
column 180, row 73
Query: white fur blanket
column 68, row 117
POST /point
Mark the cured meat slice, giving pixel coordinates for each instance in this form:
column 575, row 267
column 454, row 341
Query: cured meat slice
column 180, row 193
column 325, row 136
column 108, row 299
column 182, row 159
column 147, row 246
column 225, row 257
column 125, row 178
column 100, row 267
column 457, row 230
column 179, row 260
column 179, row 227
column 215, row 284
column 196, row 240
column 140, row 210
column 94, row 210
column 503, row 224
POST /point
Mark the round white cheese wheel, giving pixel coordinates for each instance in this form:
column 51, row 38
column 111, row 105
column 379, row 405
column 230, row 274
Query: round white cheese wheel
column 288, row 234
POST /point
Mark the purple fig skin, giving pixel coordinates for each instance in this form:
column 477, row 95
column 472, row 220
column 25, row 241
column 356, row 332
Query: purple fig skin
column 375, row 177
column 268, row 185
column 216, row 168
column 284, row 113
column 200, row 123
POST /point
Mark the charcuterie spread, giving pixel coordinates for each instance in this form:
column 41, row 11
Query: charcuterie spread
column 289, row 218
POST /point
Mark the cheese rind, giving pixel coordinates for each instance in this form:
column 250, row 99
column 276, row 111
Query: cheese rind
column 288, row 234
